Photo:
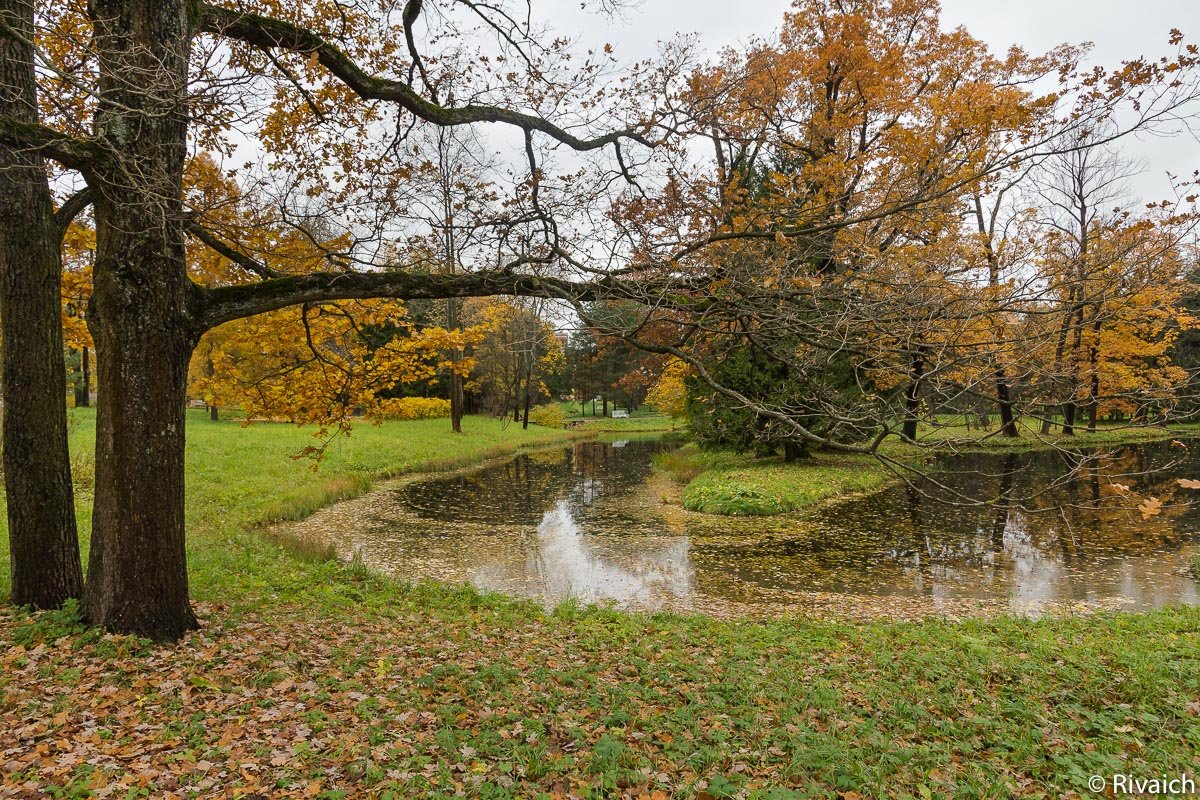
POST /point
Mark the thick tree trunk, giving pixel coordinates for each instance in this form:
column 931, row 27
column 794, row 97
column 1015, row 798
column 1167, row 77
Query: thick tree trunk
column 142, row 321
column 137, row 575
column 37, row 466
column 214, row 413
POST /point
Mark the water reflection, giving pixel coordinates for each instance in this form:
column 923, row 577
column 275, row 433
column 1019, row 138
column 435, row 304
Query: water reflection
column 588, row 522
column 569, row 563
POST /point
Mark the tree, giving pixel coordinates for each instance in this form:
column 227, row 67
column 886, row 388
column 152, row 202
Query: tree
column 515, row 351
column 147, row 315
column 37, row 466
column 79, row 243
column 854, row 142
column 669, row 393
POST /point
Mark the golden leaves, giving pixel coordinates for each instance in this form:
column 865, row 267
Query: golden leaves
column 1150, row 507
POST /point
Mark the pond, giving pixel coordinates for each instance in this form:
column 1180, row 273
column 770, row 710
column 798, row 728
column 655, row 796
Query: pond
column 592, row 522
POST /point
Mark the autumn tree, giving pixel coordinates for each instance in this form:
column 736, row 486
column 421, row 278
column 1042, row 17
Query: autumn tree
column 514, row 352
column 844, row 155
column 37, row 468
column 146, row 314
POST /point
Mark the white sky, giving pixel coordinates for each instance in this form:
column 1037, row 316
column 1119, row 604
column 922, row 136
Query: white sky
column 1120, row 30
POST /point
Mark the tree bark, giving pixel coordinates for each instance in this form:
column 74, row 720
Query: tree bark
column 143, row 322
column 43, row 542
column 528, row 382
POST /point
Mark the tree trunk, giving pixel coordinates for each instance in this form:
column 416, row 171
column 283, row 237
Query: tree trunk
column 456, row 381
column 214, row 414
column 83, row 387
column 528, row 393
column 142, row 319
column 137, row 573
column 1068, row 426
column 987, row 229
column 1093, row 401
column 43, row 543
column 1060, row 349
column 912, row 398
column 1008, row 422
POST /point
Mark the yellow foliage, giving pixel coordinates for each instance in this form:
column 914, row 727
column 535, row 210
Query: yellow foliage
column 550, row 415
column 669, row 394
column 415, row 408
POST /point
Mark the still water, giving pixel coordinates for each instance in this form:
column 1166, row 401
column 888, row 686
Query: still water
column 593, row 522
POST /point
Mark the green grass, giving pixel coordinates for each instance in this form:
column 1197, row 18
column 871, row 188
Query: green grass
column 957, row 437
column 648, row 423
column 721, row 482
column 243, row 476
column 313, row 678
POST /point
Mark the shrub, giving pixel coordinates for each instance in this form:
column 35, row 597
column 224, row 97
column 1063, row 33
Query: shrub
column 416, row 408
column 548, row 416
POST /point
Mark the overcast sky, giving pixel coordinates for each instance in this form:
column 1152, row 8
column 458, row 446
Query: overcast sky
column 1119, row 29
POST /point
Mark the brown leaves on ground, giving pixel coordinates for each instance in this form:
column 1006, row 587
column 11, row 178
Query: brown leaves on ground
column 295, row 707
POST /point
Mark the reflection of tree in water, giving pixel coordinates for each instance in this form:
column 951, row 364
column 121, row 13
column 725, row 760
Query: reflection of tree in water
column 567, row 522
column 521, row 490
column 569, row 563
column 1048, row 519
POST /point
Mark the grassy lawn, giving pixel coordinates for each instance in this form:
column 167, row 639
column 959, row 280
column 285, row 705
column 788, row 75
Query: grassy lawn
column 644, row 420
column 959, row 438
column 639, row 424
column 314, row 679
column 241, row 476
column 721, row 482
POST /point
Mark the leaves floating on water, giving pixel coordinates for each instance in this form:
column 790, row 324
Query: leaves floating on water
column 1150, row 507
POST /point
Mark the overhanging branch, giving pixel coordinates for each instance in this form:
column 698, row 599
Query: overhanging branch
column 226, row 303
column 267, row 33
column 73, row 153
